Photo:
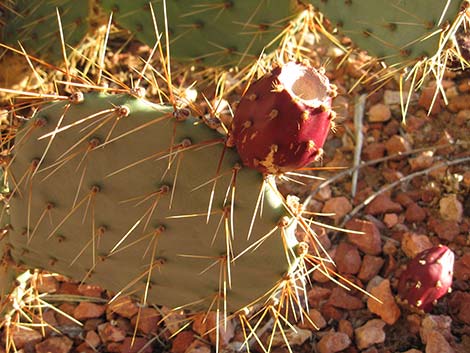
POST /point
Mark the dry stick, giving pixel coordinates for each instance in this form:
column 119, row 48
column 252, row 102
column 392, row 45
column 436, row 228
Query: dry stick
column 401, row 180
column 358, row 117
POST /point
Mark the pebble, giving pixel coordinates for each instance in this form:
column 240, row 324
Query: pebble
column 61, row 344
column 23, row 337
column 370, row 333
column 379, row 113
column 423, row 161
column 450, row 208
column 123, row 306
column 147, row 320
column 198, row 346
column 373, row 151
column 388, row 310
column 433, row 104
column 437, row 343
column 204, row 324
column 346, row 327
column 135, row 345
column 396, row 145
column 294, row 335
column 47, row 283
column 88, row 310
column 181, row 342
column 347, row 258
column 370, row 267
column 340, row 206
column 446, row 230
column 369, row 242
column 414, row 213
column 462, row 267
column 92, row 339
column 111, row 333
column 412, row 244
column 383, row 204
column 340, row 298
column 441, row 323
column 459, row 303
column 333, row 342
column 315, row 317
column 390, row 220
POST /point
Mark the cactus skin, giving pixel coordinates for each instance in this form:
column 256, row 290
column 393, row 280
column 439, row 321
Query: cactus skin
column 427, row 277
column 34, row 24
column 283, row 119
column 108, row 206
column 210, row 32
column 394, row 30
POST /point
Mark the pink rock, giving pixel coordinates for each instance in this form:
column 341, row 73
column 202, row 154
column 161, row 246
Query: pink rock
column 370, row 267
column 205, row 325
column 182, row 341
column 90, row 290
column 315, row 321
column 198, row 347
column 422, row 161
column 415, row 213
column 412, row 244
column 47, row 283
column 24, row 337
column 339, row 298
column 459, row 303
column 147, row 321
column 396, row 145
column 369, row 242
column 388, row 310
column 438, row 344
column 446, row 230
column 379, row 113
column 111, row 333
column 60, row 344
column 92, row 339
column 340, row 206
column 373, row 151
column 123, row 306
column 317, row 294
column 88, row 310
column 450, row 208
column 462, row 267
column 441, row 323
column 333, row 342
column 135, row 345
column 346, row 327
column 390, row 220
column 383, row 204
column 347, row 258
column 370, row 333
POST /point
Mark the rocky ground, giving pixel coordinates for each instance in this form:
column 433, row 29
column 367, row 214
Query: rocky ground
column 410, row 190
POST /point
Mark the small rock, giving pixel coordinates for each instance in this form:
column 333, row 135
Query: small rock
column 90, row 290
column 340, row 206
column 462, row 267
column 379, row 113
column 173, row 320
column 370, row 333
column 450, row 208
column 333, row 342
column 446, row 230
column 92, row 339
column 441, row 323
column 147, row 320
column 423, row 161
column 23, row 337
column 414, row 213
column 295, row 336
column 373, row 151
column 346, row 327
column 383, row 204
column 339, row 298
column 87, row 310
column 370, row 267
column 135, row 345
column 459, row 303
column 390, row 220
column 412, row 244
column 412, row 350
column 389, row 310
column 111, row 333
column 397, row 145
column 60, row 344
column 315, row 321
column 198, row 347
column 437, row 343
column 430, row 101
column 347, row 258
column 123, row 306
column 66, row 320
column 182, row 341
column 369, row 242
column 316, row 294
column 47, row 283
column 205, row 324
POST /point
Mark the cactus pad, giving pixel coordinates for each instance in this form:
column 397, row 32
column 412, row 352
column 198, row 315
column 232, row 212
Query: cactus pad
column 214, row 32
column 427, row 277
column 394, row 30
column 114, row 190
column 283, row 119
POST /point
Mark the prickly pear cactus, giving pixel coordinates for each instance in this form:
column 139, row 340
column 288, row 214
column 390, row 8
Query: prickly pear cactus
column 427, row 277
column 213, row 32
column 35, row 25
column 283, row 119
column 114, row 190
column 394, row 30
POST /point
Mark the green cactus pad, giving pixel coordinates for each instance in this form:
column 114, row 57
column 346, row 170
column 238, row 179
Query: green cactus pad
column 394, row 30
column 213, row 32
column 35, row 25
column 85, row 202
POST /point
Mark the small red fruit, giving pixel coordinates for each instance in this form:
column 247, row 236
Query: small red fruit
column 283, row 119
column 427, row 277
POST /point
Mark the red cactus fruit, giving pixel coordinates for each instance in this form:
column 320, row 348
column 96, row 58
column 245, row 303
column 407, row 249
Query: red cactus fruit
column 283, row 119
column 427, row 277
